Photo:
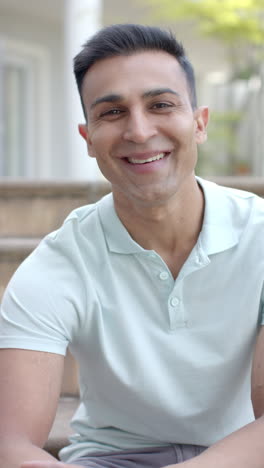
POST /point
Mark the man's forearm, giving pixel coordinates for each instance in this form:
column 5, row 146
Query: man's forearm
column 14, row 452
column 242, row 449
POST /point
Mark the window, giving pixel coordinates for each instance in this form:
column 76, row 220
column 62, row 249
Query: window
column 24, row 109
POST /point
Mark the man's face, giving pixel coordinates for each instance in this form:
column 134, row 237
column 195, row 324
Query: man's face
column 141, row 127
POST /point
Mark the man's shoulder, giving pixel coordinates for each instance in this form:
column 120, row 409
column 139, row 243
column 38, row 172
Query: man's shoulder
column 61, row 256
column 81, row 233
column 232, row 197
column 231, row 214
column 248, row 204
column 81, row 221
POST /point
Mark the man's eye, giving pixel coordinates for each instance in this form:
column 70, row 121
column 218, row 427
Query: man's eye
column 162, row 105
column 111, row 112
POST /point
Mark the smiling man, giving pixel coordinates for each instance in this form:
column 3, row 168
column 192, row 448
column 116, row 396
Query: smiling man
column 157, row 289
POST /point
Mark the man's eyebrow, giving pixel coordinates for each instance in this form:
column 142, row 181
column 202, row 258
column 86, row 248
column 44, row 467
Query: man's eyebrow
column 106, row 98
column 118, row 97
column 158, row 91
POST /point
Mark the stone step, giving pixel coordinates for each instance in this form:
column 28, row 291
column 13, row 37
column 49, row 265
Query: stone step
column 32, row 209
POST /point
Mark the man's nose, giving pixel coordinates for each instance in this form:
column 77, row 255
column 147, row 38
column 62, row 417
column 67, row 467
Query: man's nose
column 139, row 127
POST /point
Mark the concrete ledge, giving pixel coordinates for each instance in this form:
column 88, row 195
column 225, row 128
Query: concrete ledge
column 24, row 188
column 33, row 209
column 17, row 247
column 249, row 184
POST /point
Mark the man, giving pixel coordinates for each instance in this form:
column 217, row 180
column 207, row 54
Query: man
column 157, row 289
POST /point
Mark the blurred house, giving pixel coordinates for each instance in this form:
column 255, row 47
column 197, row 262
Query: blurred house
column 39, row 105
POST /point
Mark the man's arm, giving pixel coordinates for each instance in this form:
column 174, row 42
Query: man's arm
column 245, row 447
column 30, row 383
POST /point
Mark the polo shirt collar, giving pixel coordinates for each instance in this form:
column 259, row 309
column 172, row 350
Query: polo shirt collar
column 218, row 233
column 117, row 237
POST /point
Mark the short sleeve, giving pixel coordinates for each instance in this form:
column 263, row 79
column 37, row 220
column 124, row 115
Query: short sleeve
column 39, row 310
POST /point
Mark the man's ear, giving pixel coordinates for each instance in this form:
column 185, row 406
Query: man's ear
column 83, row 130
column 202, row 119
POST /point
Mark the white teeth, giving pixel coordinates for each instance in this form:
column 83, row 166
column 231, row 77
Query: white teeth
column 142, row 161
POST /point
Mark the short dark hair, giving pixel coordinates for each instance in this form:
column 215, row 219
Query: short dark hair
column 128, row 39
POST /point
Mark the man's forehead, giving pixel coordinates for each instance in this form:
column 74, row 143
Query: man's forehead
column 145, row 70
column 147, row 58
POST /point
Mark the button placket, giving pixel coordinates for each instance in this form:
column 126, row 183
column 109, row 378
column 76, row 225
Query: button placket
column 174, row 301
column 176, row 308
column 174, row 312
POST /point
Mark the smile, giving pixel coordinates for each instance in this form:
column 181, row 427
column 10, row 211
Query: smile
column 148, row 160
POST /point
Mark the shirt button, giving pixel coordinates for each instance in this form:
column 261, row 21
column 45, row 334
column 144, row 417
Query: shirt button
column 174, row 301
column 164, row 275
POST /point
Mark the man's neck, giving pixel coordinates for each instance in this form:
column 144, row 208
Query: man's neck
column 170, row 228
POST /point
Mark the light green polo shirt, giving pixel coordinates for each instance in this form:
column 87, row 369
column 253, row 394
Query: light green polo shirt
column 161, row 361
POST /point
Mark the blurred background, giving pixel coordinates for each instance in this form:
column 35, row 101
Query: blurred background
column 39, row 105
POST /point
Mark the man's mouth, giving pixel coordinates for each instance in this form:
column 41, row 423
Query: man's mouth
column 157, row 157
